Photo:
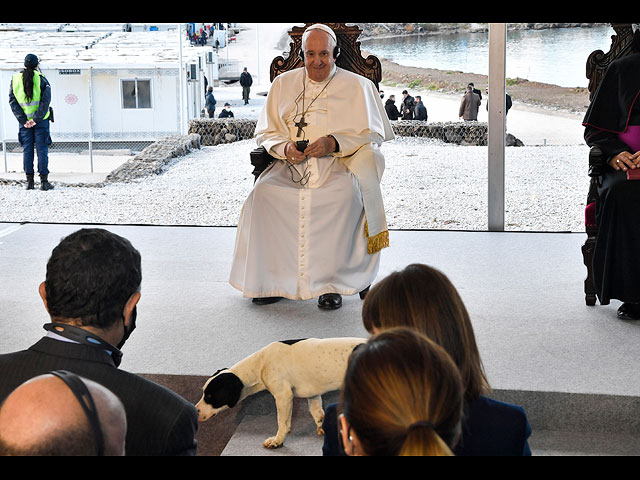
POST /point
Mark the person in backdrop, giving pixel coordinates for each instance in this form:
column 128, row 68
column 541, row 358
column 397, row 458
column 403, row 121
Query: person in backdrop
column 475, row 90
column 62, row 414
column 226, row 111
column 469, row 106
column 612, row 122
column 314, row 223
column 91, row 292
column 407, row 106
column 508, row 103
column 381, row 94
column 423, row 298
column 391, row 109
column 402, row 396
column 245, row 81
column 30, row 99
column 420, row 110
column 210, row 102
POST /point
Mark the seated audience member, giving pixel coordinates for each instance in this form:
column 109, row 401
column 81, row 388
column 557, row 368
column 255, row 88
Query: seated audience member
column 612, row 123
column 423, row 298
column 91, row 290
column 45, row 417
column 402, row 396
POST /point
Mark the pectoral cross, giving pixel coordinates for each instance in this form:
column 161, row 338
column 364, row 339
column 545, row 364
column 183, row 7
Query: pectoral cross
column 300, row 125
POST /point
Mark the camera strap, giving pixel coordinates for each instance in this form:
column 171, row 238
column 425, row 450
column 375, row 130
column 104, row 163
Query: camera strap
column 84, row 337
column 82, row 393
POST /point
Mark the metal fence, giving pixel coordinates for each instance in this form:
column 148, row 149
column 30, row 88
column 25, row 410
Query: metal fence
column 219, row 131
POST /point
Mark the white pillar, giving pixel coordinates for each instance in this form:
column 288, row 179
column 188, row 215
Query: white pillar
column 181, row 80
column 497, row 125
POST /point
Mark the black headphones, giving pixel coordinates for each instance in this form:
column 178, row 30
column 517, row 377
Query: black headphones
column 336, row 49
column 336, row 52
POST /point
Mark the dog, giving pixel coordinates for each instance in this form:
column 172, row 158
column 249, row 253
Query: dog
column 304, row 368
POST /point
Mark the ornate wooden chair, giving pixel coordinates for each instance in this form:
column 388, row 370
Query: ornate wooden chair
column 350, row 58
column 597, row 64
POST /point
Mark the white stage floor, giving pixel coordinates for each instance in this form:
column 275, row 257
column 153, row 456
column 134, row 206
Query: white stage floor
column 540, row 344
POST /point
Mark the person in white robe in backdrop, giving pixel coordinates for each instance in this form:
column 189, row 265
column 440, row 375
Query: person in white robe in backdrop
column 314, row 223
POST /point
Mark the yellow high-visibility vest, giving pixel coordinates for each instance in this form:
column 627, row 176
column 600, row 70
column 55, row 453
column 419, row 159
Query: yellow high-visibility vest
column 29, row 107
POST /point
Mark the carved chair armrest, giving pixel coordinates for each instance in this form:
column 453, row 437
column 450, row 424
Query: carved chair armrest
column 260, row 159
column 597, row 161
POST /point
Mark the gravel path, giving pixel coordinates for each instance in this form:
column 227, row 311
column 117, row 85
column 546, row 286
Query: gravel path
column 427, row 185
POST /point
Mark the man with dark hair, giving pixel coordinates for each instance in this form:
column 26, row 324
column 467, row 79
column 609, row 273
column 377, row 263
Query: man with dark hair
column 91, row 290
column 408, row 106
column 245, row 81
column 469, row 105
column 420, row 110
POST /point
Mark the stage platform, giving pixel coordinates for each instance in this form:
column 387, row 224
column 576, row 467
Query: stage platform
column 572, row 367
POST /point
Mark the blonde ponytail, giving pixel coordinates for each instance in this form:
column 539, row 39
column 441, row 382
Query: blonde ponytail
column 423, row 440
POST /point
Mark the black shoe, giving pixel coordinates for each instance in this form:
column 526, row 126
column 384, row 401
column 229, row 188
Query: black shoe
column 364, row 292
column 44, row 183
column 330, row 301
column 266, row 300
column 629, row 311
column 30, row 184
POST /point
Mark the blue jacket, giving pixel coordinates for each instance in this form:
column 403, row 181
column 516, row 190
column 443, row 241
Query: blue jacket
column 489, row 428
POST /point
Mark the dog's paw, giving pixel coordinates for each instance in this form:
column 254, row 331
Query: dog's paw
column 272, row 442
column 320, row 431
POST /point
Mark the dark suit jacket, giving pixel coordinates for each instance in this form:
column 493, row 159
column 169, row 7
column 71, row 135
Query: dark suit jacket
column 159, row 421
column 489, row 428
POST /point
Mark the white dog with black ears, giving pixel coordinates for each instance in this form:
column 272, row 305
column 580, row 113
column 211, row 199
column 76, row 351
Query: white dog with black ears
column 304, row 368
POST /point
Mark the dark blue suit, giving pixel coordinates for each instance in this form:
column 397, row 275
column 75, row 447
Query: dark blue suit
column 489, row 428
column 159, row 421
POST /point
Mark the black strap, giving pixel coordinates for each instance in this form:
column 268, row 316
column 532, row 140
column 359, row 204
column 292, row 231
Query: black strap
column 84, row 337
column 85, row 399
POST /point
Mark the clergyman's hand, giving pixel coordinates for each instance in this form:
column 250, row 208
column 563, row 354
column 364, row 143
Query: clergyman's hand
column 625, row 160
column 293, row 155
column 321, row 147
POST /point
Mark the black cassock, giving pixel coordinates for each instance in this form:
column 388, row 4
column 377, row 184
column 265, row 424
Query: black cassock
column 614, row 108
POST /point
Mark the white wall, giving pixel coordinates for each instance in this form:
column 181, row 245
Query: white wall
column 72, row 104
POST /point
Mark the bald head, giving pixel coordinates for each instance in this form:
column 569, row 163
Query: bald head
column 43, row 417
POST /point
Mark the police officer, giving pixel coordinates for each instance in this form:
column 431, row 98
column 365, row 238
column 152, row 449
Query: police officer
column 29, row 97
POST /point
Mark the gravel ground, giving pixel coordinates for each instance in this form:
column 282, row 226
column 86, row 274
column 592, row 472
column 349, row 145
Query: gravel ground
column 427, row 185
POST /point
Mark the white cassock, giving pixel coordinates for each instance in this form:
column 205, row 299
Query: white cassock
column 300, row 240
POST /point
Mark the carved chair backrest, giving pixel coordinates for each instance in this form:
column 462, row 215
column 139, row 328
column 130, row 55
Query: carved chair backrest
column 350, row 57
column 598, row 61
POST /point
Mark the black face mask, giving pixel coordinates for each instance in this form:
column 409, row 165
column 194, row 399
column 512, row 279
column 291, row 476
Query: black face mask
column 127, row 333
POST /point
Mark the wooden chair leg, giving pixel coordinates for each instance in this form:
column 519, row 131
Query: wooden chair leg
column 587, row 257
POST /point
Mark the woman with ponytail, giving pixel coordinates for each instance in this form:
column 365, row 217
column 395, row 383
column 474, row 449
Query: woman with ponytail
column 424, row 299
column 402, row 396
column 29, row 97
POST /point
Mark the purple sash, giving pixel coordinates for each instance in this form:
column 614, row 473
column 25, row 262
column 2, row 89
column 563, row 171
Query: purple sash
column 631, row 136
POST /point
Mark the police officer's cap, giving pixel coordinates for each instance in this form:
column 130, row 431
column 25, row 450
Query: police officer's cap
column 31, row 61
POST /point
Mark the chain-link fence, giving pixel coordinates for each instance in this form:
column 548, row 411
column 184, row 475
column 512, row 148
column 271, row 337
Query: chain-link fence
column 219, row 131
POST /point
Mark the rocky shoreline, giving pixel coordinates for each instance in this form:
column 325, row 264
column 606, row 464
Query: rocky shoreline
column 381, row 30
column 543, row 95
column 553, row 97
